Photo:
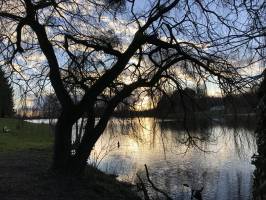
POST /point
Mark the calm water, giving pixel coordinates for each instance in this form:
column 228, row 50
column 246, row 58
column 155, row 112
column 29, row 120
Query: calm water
column 216, row 158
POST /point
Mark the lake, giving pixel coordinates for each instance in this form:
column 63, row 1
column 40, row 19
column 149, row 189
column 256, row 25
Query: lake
column 217, row 158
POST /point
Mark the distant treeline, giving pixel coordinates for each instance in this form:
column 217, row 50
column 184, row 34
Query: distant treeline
column 188, row 101
column 181, row 103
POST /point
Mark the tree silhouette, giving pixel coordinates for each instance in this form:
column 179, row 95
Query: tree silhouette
column 6, row 97
column 89, row 48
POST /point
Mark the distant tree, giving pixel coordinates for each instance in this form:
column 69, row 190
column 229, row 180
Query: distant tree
column 50, row 107
column 201, row 90
column 179, row 102
column 6, row 97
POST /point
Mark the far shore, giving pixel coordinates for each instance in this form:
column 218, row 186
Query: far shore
column 152, row 113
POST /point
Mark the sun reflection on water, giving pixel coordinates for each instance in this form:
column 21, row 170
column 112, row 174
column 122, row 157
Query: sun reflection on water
column 223, row 168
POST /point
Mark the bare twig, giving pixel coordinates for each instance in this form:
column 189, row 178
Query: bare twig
column 143, row 188
column 153, row 185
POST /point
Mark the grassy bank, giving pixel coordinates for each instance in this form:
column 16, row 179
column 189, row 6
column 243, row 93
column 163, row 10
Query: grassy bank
column 25, row 157
column 23, row 135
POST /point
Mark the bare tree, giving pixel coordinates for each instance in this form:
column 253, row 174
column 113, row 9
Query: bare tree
column 48, row 107
column 108, row 51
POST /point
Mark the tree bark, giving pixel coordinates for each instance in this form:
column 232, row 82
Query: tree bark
column 69, row 159
column 62, row 144
column 79, row 160
column 83, row 151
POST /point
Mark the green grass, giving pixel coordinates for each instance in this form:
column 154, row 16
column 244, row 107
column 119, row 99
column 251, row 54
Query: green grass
column 24, row 135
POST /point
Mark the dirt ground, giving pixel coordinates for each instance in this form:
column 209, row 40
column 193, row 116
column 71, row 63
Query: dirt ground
column 24, row 175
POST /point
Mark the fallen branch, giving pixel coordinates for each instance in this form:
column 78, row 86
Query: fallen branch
column 143, row 188
column 154, row 187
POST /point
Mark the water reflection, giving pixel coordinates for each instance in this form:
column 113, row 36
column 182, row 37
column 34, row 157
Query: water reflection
column 217, row 158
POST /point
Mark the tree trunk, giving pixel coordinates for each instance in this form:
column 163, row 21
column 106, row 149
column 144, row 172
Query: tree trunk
column 68, row 160
column 79, row 160
column 62, row 144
